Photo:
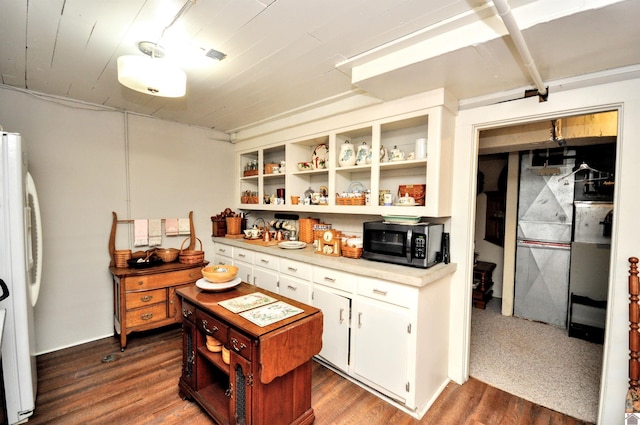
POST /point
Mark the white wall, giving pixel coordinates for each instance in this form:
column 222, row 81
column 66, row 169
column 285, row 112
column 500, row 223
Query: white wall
column 622, row 95
column 86, row 162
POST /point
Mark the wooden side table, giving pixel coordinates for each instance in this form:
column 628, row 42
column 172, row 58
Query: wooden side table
column 482, row 283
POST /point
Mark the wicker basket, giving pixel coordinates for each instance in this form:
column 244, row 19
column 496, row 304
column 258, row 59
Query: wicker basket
column 234, row 225
column 350, row 252
column 121, row 256
column 350, row 200
column 416, row 191
column 248, row 199
column 190, row 256
column 305, row 234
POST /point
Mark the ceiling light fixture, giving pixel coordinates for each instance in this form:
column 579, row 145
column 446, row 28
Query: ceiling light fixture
column 151, row 74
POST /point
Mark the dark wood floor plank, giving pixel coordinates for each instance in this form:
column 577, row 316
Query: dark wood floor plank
column 140, row 386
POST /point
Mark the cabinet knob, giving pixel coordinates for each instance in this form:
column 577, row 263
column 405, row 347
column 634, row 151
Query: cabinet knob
column 140, row 282
column 186, row 313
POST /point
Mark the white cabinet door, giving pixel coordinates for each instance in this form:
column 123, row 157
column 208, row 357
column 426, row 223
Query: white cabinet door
column 335, row 335
column 296, row 289
column 267, row 279
column 245, row 271
column 381, row 346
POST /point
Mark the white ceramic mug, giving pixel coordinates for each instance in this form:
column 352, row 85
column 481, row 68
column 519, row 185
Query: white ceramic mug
column 421, row 147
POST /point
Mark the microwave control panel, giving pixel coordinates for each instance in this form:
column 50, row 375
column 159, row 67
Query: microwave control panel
column 419, row 246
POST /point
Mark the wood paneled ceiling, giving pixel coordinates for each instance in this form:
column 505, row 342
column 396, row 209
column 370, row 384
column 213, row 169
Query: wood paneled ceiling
column 287, row 56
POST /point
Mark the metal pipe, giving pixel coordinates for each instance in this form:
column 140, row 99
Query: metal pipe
column 516, row 35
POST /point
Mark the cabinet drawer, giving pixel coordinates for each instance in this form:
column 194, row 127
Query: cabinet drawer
column 144, row 298
column 224, row 250
column 265, row 260
column 240, row 343
column 189, row 311
column 334, row 279
column 295, row 268
column 162, row 280
column 242, row 254
column 212, row 326
column 146, row 315
column 389, row 292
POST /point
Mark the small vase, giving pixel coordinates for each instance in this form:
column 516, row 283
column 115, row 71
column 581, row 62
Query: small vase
column 347, row 156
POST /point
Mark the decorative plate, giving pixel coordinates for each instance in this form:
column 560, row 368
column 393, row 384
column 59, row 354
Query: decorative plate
column 401, row 219
column 205, row 285
column 320, row 156
column 292, row 245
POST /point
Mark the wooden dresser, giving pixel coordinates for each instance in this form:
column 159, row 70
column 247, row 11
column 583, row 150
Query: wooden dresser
column 267, row 380
column 146, row 298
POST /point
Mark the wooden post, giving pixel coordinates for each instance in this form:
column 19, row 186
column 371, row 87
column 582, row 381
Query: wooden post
column 634, row 318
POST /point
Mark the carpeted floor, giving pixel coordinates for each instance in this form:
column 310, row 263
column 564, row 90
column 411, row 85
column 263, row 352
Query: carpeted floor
column 535, row 361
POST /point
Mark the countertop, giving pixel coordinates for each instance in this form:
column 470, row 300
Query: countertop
column 411, row 276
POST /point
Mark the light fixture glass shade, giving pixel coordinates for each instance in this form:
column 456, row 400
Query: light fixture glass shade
column 155, row 76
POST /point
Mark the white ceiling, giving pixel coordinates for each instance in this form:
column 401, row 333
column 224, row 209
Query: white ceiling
column 285, row 56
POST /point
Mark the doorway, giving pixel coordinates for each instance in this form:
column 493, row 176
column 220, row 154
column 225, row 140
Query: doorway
column 586, row 138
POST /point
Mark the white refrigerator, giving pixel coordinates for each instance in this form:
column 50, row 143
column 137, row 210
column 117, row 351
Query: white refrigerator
column 20, row 269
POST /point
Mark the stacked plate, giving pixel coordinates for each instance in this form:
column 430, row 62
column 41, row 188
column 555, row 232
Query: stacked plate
column 219, row 278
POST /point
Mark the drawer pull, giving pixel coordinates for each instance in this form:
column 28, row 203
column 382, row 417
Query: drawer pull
column 292, row 269
column 146, row 298
column 147, row 316
column 211, row 331
column 186, row 313
column 241, row 255
column 359, row 320
column 229, row 391
column 380, row 292
column 141, row 282
column 191, row 275
column 293, row 288
column 238, row 348
column 262, row 260
column 329, row 279
column 222, row 250
column 341, row 315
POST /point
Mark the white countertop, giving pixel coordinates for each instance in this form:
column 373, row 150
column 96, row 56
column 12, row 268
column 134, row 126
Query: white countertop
column 392, row 272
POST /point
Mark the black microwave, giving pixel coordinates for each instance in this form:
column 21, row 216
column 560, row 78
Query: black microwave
column 416, row 245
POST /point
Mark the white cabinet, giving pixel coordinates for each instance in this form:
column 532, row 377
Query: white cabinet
column 336, row 310
column 265, row 271
column 243, row 260
column 380, row 346
column 295, row 280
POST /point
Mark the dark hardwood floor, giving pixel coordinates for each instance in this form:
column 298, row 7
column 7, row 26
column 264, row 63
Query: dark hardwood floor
column 95, row 383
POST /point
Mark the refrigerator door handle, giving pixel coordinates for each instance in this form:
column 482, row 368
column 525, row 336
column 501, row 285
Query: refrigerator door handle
column 35, row 284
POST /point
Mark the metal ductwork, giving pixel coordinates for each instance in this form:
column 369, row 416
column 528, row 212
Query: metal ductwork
column 516, row 35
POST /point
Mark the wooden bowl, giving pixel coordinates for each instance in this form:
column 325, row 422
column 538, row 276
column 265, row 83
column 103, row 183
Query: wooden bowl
column 220, row 273
column 167, row 255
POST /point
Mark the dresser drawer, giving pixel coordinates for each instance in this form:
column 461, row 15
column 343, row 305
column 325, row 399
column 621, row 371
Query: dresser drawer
column 241, row 254
column 162, row 280
column 240, row 343
column 393, row 293
column 146, row 315
column 188, row 311
column 266, row 260
column 212, row 326
column 295, row 268
column 334, row 279
column 145, row 298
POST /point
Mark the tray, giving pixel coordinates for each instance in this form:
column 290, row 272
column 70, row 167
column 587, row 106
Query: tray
column 260, row 242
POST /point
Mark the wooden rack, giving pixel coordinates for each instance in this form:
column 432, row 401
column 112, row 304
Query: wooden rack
column 114, row 225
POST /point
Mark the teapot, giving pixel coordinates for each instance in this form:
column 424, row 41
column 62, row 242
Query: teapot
column 396, row 154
